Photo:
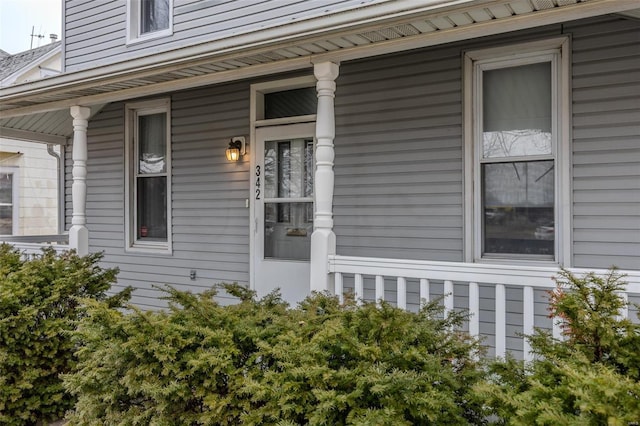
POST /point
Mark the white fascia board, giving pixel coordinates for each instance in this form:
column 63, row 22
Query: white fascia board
column 164, row 87
column 31, row 65
column 587, row 9
column 25, row 135
column 271, row 37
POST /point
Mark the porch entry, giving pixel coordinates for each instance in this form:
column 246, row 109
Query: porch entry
column 284, row 206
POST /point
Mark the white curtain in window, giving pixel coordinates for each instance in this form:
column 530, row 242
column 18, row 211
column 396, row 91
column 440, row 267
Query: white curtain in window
column 154, row 15
column 152, row 135
column 517, row 111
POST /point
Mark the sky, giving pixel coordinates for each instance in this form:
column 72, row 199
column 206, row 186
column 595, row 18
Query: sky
column 17, row 17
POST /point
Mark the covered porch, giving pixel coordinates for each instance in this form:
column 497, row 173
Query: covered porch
column 503, row 300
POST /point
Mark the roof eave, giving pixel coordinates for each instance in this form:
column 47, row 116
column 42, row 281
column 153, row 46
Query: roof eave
column 348, row 22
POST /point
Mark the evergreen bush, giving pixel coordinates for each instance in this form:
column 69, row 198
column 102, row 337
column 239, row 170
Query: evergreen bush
column 590, row 377
column 40, row 301
column 258, row 362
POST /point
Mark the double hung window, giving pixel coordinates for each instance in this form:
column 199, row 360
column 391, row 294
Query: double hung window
column 149, row 175
column 149, row 19
column 515, row 139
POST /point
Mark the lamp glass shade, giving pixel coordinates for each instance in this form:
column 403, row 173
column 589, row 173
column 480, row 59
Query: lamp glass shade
column 233, row 154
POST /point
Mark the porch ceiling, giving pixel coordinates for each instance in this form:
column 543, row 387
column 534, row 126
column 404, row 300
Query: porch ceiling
column 42, row 106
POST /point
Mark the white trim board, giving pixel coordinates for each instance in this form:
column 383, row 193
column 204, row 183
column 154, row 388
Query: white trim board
column 194, row 55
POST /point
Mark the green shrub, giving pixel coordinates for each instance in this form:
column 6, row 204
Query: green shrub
column 258, row 362
column 591, row 377
column 40, row 300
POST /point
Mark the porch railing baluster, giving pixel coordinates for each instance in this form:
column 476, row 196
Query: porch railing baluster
column 424, row 291
column 529, row 278
column 528, row 317
column 339, row 287
column 402, row 293
column 474, row 309
column 501, row 321
column 359, row 288
column 448, row 296
column 379, row 288
column 556, row 329
column 624, row 311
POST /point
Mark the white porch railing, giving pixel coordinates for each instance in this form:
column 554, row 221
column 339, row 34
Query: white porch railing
column 471, row 275
column 33, row 244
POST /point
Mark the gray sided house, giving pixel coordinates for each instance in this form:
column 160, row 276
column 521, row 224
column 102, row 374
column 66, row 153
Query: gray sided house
column 401, row 150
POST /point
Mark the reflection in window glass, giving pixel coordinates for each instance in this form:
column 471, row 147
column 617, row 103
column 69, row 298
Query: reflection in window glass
column 154, row 15
column 288, row 174
column 518, row 208
column 288, row 168
column 284, row 179
column 6, row 188
column 309, row 170
column 517, row 111
column 152, row 208
column 6, row 203
column 291, row 240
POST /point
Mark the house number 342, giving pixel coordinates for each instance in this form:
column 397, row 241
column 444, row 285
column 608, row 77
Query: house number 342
column 257, row 182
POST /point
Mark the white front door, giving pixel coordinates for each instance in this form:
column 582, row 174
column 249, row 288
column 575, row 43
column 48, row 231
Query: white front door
column 283, row 196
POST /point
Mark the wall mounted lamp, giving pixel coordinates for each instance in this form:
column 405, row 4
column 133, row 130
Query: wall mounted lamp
column 237, row 148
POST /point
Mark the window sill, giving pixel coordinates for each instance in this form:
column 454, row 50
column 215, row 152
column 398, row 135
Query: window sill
column 146, row 248
column 515, row 261
column 148, row 37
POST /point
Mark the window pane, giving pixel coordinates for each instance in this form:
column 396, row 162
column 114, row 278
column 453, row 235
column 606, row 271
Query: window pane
column 290, row 103
column 288, row 168
column 287, row 240
column 6, row 188
column 6, row 220
column 152, row 145
column 517, row 111
column 518, row 208
column 154, row 15
column 152, row 208
column 309, row 168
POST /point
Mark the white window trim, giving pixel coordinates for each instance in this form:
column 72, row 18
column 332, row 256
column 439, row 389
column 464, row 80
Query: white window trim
column 15, row 197
column 563, row 199
column 133, row 24
column 132, row 111
column 256, row 120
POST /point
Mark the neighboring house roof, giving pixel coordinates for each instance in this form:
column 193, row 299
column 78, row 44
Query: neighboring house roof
column 4, row 54
column 11, row 65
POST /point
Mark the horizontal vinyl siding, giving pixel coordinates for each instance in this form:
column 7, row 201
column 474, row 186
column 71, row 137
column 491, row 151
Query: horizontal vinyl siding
column 210, row 221
column 95, row 30
column 606, row 143
column 398, row 166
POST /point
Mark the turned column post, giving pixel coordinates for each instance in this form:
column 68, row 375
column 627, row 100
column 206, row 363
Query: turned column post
column 323, row 239
column 79, row 234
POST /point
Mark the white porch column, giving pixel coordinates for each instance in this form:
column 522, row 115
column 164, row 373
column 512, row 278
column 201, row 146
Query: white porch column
column 323, row 240
column 79, row 234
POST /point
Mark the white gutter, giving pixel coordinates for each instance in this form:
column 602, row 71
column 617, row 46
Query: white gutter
column 269, row 39
column 280, row 35
column 26, row 135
